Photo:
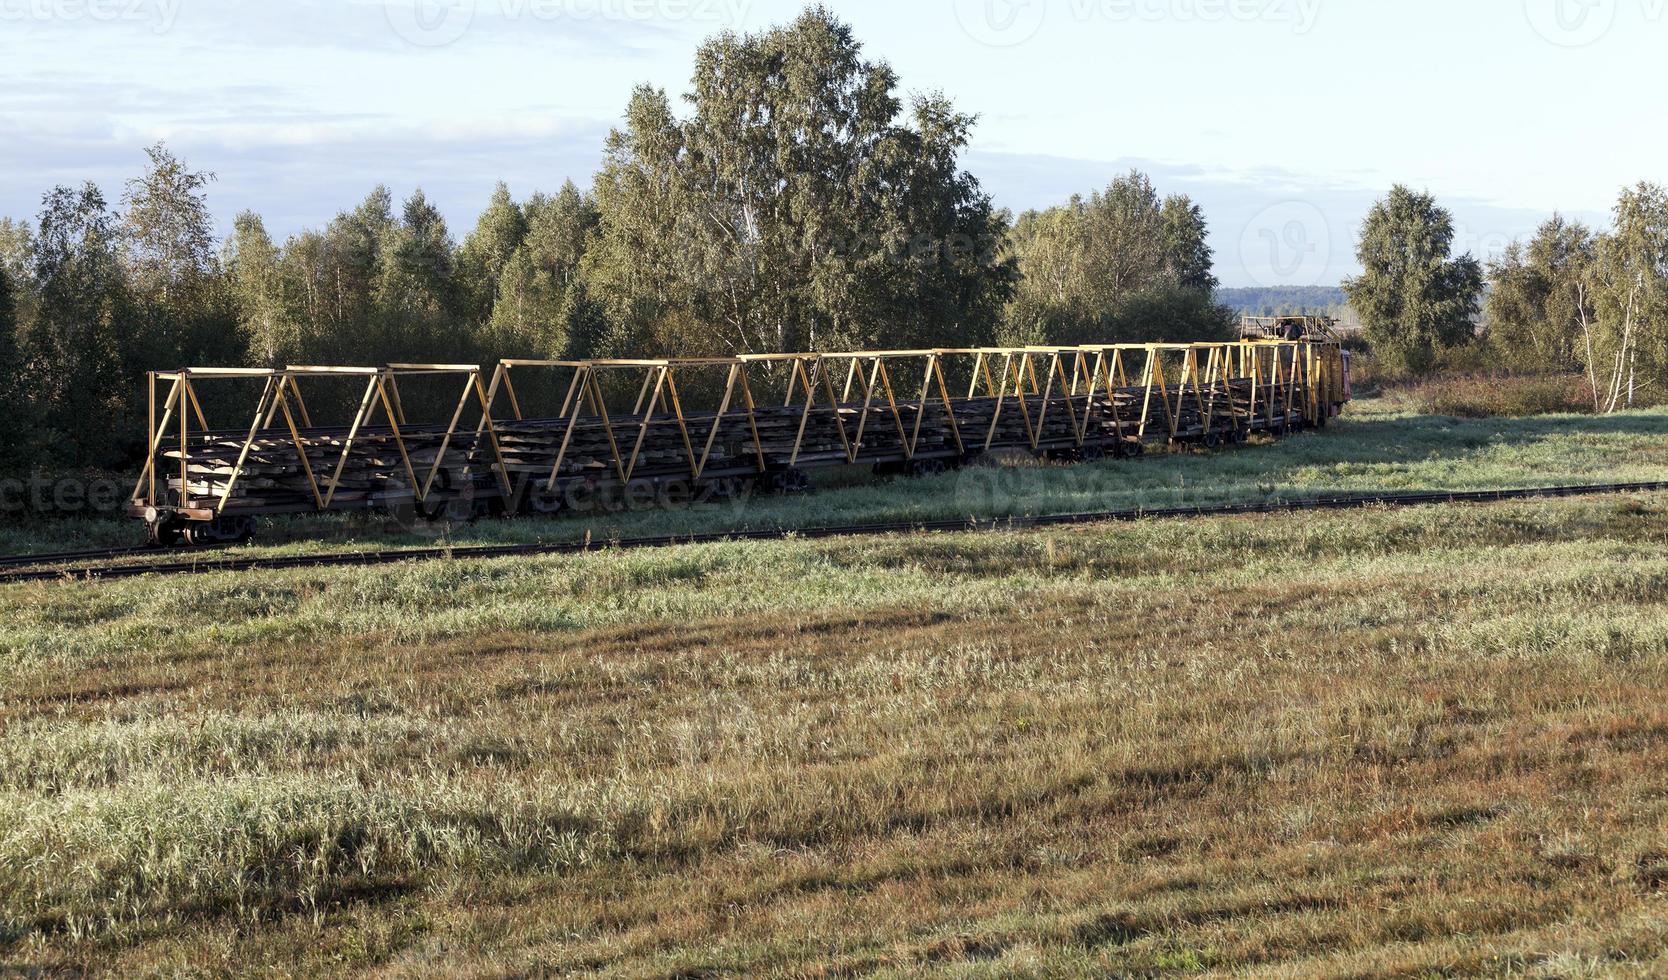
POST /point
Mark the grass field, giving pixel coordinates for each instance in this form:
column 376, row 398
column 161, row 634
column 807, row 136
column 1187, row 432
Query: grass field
column 1420, row 742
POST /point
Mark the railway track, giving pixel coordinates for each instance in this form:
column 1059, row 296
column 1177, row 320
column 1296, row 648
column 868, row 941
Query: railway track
column 29, row 568
column 15, row 562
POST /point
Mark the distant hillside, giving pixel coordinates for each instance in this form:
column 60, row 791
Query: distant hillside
column 1277, row 300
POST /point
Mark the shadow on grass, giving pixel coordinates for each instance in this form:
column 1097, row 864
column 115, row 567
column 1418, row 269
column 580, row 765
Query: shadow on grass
column 1401, row 442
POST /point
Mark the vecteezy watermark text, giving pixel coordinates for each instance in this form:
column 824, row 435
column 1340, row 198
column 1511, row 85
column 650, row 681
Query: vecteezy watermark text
column 433, row 23
column 159, row 15
column 1005, row 23
column 58, row 496
column 1302, row 14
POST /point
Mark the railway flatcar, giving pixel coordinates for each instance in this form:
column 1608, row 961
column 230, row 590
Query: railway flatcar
column 545, row 437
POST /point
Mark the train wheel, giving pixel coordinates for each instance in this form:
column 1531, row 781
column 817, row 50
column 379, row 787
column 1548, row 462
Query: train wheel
column 785, row 481
column 164, row 534
column 1212, row 440
column 545, row 503
column 221, row 530
column 448, row 501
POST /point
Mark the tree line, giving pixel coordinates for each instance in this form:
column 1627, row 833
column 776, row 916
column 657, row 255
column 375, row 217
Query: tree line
column 1593, row 301
column 799, row 203
column 1286, row 300
column 1570, row 299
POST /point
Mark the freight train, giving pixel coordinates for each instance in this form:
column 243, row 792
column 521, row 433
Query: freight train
column 544, row 437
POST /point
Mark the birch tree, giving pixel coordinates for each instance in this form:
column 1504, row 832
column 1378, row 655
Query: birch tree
column 1628, row 333
column 1414, row 297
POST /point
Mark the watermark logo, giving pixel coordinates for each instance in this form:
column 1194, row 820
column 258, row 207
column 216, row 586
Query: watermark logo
column 1571, row 23
column 1288, row 244
column 158, row 15
column 429, row 23
column 1001, row 23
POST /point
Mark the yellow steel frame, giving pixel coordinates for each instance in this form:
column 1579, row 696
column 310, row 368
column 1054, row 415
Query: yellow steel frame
column 281, row 395
column 1234, row 387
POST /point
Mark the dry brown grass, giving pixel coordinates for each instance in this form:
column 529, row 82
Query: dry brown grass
column 1493, row 395
column 1417, row 742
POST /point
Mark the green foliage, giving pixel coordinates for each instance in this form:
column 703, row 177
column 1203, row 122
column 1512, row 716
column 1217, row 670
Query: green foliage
column 488, row 249
column 1572, row 299
column 16, row 251
column 183, row 311
column 418, row 303
column 346, row 264
column 8, row 326
column 83, row 325
column 1413, row 298
column 1539, row 296
column 1187, row 257
column 589, row 332
column 371, row 288
column 99, row 298
column 167, row 226
column 1121, row 266
column 793, row 209
column 270, row 333
column 17, row 310
column 537, row 287
column 10, row 365
column 1629, row 284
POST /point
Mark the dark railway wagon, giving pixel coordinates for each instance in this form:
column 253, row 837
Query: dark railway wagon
column 542, row 436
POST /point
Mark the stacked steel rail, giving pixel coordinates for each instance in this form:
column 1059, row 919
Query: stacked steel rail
column 623, row 426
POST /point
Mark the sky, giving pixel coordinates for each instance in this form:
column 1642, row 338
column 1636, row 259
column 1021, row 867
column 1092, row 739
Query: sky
column 1283, row 119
